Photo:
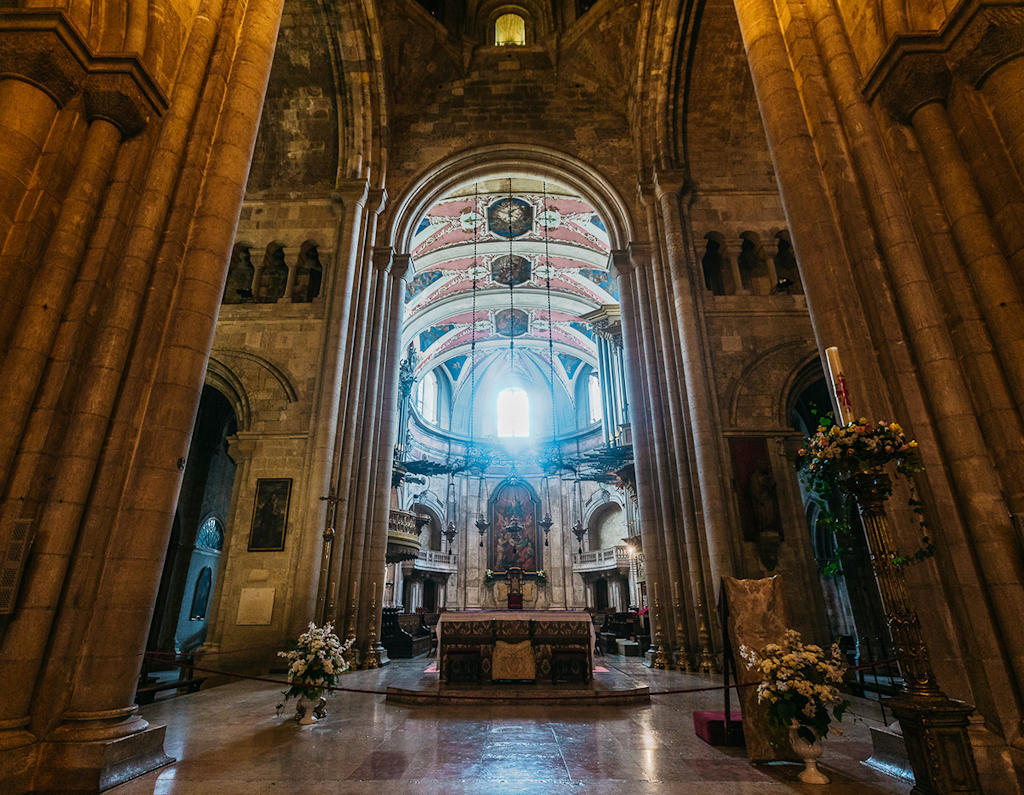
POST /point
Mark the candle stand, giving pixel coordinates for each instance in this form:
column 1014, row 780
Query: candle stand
column 934, row 725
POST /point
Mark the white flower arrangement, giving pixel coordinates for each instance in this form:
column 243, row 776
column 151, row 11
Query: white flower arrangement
column 799, row 683
column 316, row 662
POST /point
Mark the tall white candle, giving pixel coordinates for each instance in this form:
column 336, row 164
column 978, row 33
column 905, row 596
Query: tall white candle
column 837, row 380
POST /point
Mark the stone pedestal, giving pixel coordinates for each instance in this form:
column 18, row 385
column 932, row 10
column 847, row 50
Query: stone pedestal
column 935, row 733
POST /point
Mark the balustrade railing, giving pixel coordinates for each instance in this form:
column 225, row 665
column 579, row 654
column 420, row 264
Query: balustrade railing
column 609, row 557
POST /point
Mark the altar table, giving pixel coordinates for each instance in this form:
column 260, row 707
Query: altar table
column 468, row 647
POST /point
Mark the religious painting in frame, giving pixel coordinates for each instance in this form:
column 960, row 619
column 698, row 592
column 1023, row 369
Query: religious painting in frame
column 514, row 502
column 270, row 514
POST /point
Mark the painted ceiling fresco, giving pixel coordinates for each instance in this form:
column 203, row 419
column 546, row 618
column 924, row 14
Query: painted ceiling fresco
column 532, row 253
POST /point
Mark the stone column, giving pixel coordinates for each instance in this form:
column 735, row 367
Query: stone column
column 386, row 410
column 350, row 416
column 657, row 515
column 47, row 454
column 702, row 417
column 991, row 276
column 350, row 202
column 97, row 713
column 634, row 369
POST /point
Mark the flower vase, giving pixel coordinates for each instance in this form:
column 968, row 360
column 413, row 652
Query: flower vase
column 809, row 753
column 305, row 709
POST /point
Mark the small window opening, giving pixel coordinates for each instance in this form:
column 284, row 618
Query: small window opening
column 594, row 397
column 426, row 397
column 510, row 30
column 513, row 413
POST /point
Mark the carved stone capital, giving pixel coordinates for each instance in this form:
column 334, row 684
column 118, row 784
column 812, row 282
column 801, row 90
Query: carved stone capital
column 44, row 49
column 117, row 99
column 42, row 58
column 915, row 80
column 619, row 263
column 669, row 183
column 351, row 193
column 992, row 36
column 400, row 264
column 383, row 258
column 640, row 254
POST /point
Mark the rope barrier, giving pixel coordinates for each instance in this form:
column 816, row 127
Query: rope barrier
column 481, row 696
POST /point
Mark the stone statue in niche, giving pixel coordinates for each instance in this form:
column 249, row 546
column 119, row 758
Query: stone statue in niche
column 273, row 277
column 712, row 265
column 763, row 497
column 238, row 288
column 751, row 262
column 308, row 275
column 786, row 270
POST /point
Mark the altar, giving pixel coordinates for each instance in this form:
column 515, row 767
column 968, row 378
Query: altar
column 519, row 645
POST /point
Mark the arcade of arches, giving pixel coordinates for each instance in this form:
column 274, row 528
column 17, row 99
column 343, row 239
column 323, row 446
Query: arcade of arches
column 304, row 298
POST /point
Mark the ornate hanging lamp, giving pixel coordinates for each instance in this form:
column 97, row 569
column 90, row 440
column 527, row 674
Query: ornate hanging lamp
column 472, row 455
column 546, row 522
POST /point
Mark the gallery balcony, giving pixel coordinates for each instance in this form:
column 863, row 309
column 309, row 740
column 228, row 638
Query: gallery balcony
column 429, row 561
column 404, row 529
column 598, row 561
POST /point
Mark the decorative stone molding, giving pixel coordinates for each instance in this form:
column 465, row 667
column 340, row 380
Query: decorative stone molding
column 351, row 193
column 44, row 49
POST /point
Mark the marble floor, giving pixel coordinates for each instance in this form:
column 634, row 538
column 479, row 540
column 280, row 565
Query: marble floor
column 229, row 740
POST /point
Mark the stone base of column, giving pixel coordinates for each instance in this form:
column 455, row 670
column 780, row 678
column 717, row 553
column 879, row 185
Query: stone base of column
column 938, row 746
column 94, row 766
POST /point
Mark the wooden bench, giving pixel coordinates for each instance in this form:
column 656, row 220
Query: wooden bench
column 404, row 635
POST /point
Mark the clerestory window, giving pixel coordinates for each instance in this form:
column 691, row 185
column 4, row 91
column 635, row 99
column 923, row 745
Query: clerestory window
column 513, row 413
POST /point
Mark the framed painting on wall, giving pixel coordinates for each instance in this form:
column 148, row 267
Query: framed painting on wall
column 270, row 514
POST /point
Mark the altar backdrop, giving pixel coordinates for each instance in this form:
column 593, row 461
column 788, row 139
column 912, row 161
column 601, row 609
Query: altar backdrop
column 514, row 498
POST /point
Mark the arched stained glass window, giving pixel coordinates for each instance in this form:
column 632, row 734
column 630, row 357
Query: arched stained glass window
column 210, row 536
column 426, row 397
column 594, row 397
column 513, row 413
column 510, row 29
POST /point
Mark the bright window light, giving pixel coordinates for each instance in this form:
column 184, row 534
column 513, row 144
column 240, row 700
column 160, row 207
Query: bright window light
column 510, row 29
column 513, row 412
column 426, row 397
column 594, row 397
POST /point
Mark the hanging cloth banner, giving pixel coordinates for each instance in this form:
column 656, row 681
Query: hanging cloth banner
column 757, row 617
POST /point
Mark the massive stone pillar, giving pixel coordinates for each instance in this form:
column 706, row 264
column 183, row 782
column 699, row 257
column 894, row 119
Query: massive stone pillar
column 878, row 191
column 145, row 151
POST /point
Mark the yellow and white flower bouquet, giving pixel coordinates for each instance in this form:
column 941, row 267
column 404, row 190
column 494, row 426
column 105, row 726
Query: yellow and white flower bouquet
column 800, row 683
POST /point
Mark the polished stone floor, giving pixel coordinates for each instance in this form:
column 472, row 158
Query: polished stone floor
column 229, row 740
